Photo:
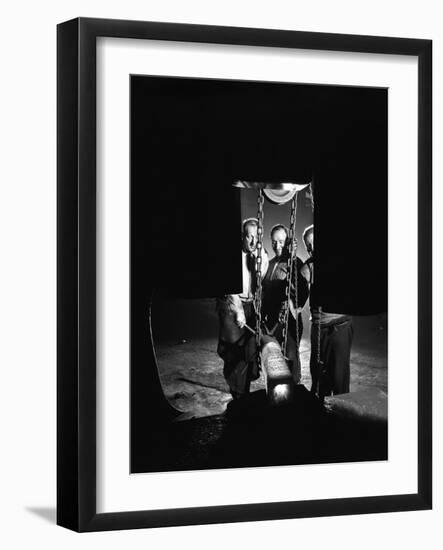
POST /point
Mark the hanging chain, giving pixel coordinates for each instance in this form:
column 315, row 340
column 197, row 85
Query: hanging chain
column 318, row 325
column 319, row 340
column 258, row 272
column 311, row 195
column 292, row 257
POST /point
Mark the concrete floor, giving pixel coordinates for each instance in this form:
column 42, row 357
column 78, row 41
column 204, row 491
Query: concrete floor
column 192, row 379
column 215, row 432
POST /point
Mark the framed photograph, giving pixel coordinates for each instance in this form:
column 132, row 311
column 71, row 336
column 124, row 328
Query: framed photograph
column 204, row 374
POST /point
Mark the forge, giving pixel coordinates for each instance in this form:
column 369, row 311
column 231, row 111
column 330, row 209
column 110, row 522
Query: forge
column 204, row 152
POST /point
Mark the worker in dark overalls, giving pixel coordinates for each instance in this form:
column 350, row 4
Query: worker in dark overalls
column 331, row 338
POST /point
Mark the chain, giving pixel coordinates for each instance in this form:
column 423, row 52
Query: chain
column 311, row 195
column 292, row 251
column 258, row 272
column 319, row 340
column 318, row 326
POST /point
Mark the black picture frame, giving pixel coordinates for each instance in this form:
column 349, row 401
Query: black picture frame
column 76, row 280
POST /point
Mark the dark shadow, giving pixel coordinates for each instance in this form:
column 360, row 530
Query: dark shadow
column 252, row 433
column 48, row 514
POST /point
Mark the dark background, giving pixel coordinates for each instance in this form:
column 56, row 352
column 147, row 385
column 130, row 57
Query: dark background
column 190, row 140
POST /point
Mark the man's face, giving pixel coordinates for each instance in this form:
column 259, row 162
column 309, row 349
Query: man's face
column 278, row 241
column 309, row 240
column 250, row 238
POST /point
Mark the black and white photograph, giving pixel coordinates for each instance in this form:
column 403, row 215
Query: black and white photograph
column 221, row 258
column 244, row 274
column 251, row 346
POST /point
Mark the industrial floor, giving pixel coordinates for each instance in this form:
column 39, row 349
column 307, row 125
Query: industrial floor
column 215, row 432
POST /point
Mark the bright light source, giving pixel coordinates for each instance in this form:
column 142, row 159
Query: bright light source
column 280, row 391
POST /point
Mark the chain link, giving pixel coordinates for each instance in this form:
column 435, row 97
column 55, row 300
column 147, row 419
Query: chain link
column 258, row 272
column 318, row 326
column 292, row 257
column 319, row 340
column 311, row 195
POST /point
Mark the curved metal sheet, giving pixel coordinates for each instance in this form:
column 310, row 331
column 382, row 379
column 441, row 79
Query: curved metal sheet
column 281, row 186
column 275, row 192
column 279, row 196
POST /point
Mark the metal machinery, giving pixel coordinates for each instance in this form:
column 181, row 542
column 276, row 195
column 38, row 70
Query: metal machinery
column 272, row 356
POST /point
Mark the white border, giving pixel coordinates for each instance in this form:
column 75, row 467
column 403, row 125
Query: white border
column 116, row 489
